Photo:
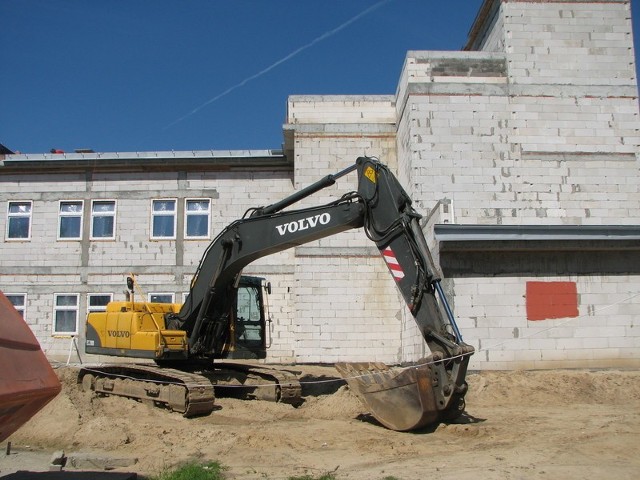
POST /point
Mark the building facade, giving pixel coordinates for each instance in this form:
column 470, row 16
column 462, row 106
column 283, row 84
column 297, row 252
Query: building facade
column 521, row 151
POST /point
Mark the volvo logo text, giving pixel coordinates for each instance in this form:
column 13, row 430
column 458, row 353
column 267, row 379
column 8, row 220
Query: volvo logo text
column 118, row 333
column 303, row 223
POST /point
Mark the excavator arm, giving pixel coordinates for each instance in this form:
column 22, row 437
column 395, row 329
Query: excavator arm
column 431, row 390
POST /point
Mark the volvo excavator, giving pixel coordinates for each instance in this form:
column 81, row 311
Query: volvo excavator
column 223, row 316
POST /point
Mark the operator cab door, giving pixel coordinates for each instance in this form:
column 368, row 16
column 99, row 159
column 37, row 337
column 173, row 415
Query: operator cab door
column 250, row 321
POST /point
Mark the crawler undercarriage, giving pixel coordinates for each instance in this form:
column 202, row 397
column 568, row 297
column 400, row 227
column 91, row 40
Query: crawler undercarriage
column 192, row 392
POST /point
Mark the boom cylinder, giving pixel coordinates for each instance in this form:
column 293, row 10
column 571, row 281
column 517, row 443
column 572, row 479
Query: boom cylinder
column 305, row 192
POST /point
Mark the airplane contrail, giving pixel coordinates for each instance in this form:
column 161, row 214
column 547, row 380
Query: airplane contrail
column 280, row 61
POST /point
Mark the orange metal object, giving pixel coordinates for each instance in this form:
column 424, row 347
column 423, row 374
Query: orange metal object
column 548, row 300
column 27, row 381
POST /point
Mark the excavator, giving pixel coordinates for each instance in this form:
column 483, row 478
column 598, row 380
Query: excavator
column 223, row 317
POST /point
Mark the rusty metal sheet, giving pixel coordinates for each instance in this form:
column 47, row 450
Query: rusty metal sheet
column 27, row 381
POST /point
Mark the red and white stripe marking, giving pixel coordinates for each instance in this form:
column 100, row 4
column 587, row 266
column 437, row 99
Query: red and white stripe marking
column 392, row 263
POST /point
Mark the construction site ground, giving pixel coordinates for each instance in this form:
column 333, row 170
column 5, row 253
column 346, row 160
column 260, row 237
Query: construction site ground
column 569, row 424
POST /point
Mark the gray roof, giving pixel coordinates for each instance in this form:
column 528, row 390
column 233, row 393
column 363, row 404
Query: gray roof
column 166, row 159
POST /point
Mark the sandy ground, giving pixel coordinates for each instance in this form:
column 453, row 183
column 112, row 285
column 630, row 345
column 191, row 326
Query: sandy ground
column 551, row 424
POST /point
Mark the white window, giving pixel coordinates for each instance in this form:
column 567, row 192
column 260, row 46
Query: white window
column 70, row 220
column 65, row 313
column 161, row 297
column 19, row 302
column 103, row 219
column 97, row 302
column 19, row 220
column 163, row 219
column 197, row 212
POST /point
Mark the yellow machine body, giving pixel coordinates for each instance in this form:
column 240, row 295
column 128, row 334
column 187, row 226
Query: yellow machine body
column 137, row 329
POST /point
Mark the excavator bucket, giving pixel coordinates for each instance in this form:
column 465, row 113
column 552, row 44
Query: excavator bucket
column 400, row 399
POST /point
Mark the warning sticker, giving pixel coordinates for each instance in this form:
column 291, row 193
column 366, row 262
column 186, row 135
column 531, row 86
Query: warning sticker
column 393, row 264
column 371, row 174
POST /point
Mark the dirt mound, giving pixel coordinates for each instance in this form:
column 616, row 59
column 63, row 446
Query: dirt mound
column 519, row 425
column 341, row 404
column 564, row 387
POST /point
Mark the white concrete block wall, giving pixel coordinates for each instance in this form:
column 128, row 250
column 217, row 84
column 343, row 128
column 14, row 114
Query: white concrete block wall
column 569, row 43
column 579, row 123
column 346, row 310
column 511, row 153
column 492, row 317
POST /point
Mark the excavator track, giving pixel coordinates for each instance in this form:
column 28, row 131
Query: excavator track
column 257, row 382
column 193, row 393
column 188, row 393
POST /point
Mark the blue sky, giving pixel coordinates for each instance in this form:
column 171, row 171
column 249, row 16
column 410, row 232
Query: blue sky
column 138, row 75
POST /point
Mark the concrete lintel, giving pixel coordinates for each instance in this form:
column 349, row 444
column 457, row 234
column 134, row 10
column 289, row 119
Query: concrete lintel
column 471, row 86
column 422, row 56
column 456, row 88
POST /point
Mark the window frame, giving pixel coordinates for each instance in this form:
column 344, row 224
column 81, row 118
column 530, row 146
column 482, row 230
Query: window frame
column 174, row 214
column 64, row 308
column 151, row 294
column 20, row 309
column 61, row 215
column 100, row 214
column 91, row 309
column 19, row 215
column 199, row 213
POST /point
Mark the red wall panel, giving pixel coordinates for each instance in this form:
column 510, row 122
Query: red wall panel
column 547, row 300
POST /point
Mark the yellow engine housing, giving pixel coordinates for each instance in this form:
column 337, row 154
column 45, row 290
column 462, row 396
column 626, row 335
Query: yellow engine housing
column 129, row 329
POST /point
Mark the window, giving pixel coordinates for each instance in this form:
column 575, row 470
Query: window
column 163, row 219
column 97, row 302
column 103, row 219
column 65, row 313
column 197, row 212
column 249, row 325
column 161, row 297
column 19, row 302
column 70, row 221
column 19, row 221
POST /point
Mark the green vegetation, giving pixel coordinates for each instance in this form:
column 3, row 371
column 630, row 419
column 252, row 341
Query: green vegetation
column 193, row 471
column 214, row 471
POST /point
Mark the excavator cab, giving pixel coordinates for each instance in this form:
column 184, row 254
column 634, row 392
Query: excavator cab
column 249, row 339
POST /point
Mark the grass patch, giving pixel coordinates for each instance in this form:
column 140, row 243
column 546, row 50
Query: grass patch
column 194, row 471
